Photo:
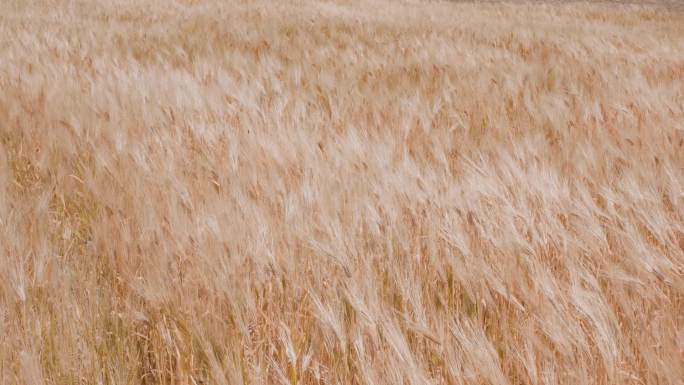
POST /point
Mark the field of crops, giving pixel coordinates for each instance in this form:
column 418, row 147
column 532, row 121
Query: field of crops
column 341, row 192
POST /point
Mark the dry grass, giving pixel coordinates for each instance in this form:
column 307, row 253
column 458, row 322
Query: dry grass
column 208, row 192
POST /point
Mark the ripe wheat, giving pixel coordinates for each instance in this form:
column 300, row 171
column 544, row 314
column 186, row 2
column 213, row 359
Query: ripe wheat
column 347, row 192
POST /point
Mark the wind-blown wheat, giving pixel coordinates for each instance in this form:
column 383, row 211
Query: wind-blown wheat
column 350, row 192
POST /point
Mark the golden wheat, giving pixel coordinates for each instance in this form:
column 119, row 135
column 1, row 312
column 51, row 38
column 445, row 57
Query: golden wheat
column 349, row 192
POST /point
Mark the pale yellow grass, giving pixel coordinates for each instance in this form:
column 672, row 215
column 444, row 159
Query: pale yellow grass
column 210, row 192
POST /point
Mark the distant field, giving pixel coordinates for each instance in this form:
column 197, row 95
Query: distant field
column 341, row 192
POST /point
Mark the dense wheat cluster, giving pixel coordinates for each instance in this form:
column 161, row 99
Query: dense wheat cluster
column 349, row 192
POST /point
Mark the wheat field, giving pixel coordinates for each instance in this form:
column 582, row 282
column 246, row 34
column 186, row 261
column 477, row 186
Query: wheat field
column 341, row 192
